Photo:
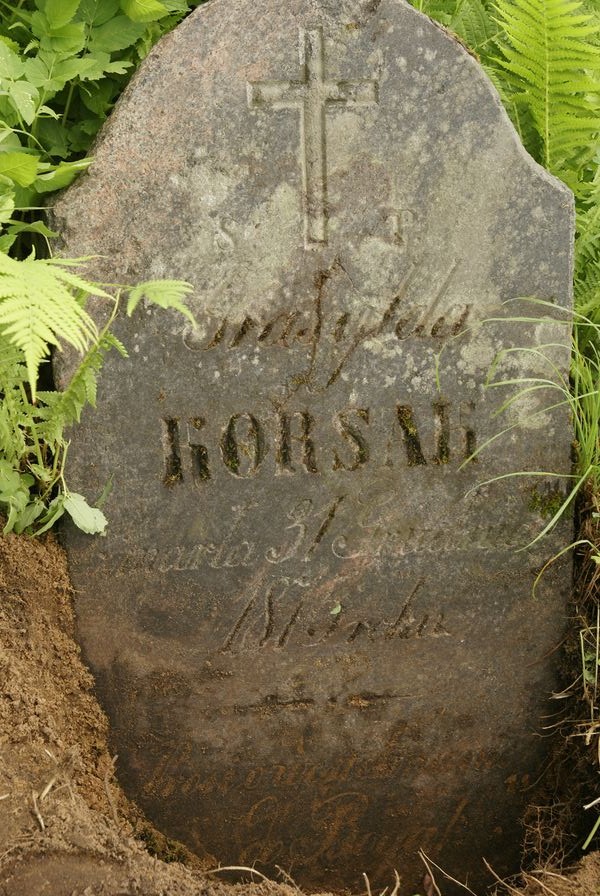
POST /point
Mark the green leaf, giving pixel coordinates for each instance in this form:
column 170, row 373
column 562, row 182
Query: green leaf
column 83, row 67
column 21, row 167
column 11, row 66
column 8, row 139
column 81, row 135
column 23, row 97
column 55, row 510
column 89, row 519
column 40, row 71
column 440, row 10
column 14, row 493
column 11, row 44
column 7, row 241
column 7, row 205
column 164, row 293
column 25, row 197
column 10, row 481
column 14, row 508
column 118, row 67
column 41, row 473
column 144, row 10
column 39, row 307
column 474, row 24
column 80, row 391
column 30, row 513
column 32, row 227
column 60, row 12
column 98, row 96
column 116, row 34
column 50, row 73
column 97, row 12
column 181, row 7
column 97, row 63
column 64, row 174
column 48, row 112
column 68, row 40
column 54, row 137
column 146, row 42
column 551, row 64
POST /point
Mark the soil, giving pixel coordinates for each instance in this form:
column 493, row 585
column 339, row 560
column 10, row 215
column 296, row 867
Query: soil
column 66, row 828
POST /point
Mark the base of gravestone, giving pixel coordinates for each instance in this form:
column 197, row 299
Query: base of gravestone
column 54, row 732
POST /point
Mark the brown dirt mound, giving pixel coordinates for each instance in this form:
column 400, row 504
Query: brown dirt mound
column 66, row 829
column 65, row 826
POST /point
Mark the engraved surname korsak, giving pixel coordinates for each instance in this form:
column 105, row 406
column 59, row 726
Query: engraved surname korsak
column 313, row 94
column 303, row 441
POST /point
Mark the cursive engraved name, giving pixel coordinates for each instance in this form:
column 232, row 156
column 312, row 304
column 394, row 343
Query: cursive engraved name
column 282, row 611
column 297, row 327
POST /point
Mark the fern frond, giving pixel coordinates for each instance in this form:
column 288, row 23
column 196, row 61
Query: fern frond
column 12, row 439
column 587, row 293
column 551, row 59
column 38, row 309
column 473, row 22
column 13, row 403
column 164, row 294
column 518, row 112
column 60, row 409
column 439, row 10
column 587, row 243
column 60, row 268
column 9, row 355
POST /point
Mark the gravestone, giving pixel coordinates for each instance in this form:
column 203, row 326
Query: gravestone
column 309, row 621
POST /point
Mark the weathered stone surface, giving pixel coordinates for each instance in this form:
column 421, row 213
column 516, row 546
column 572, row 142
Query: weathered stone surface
column 312, row 631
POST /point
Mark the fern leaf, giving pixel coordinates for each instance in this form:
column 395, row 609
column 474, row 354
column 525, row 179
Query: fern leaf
column 474, row 24
column 587, row 293
column 164, row 293
column 552, row 62
column 519, row 113
column 38, row 309
column 60, row 269
column 587, row 247
column 13, row 445
column 587, row 244
column 60, row 409
column 7, row 447
column 440, row 10
column 9, row 355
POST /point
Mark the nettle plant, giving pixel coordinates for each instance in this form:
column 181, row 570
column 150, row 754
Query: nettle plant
column 63, row 64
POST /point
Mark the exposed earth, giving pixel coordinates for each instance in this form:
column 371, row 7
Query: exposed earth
column 66, row 828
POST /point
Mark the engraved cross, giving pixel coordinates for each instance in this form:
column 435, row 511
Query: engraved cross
column 312, row 94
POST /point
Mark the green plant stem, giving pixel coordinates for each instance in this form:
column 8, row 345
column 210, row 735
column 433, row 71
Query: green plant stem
column 591, row 834
column 67, row 108
column 32, row 427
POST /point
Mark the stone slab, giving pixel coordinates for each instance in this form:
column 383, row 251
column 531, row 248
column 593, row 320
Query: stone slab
column 308, row 622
